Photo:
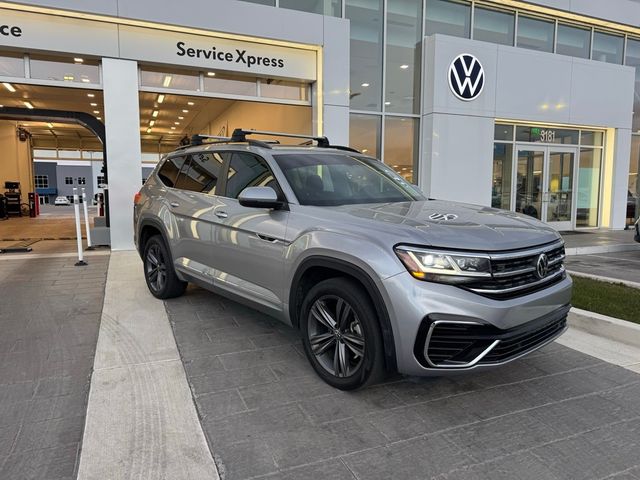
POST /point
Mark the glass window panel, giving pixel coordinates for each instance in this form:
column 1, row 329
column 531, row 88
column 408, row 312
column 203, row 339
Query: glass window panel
column 535, row 33
column 200, row 173
column 401, row 146
column 633, row 194
column 547, row 135
column 493, row 26
column 234, row 85
column 588, row 187
column 366, row 53
column 271, row 3
column 633, row 60
column 503, row 132
column 364, row 133
column 64, row 69
column 284, row 89
column 174, row 79
column 501, row 187
column 38, row 153
column 588, row 137
column 529, row 178
column 324, row 7
column 607, row 48
column 69, row 154
column 246, row 170
column 170, row 169
column 448, row 17
column 11, row 65
column 404, row 33
column 574, row 41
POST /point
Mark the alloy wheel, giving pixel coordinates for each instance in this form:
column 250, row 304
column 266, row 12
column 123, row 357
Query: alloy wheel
column 335, row 336
column 156, row 268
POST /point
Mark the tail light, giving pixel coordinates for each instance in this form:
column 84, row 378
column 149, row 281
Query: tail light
column 136, row 198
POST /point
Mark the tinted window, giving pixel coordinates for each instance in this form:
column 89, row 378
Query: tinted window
column 574, row 41
column 493, row 26
column 607, row 48
column 246, row 170
column 448, row 17
column 330, row 179
column 169, row 170
column 200, row 173
column 535, row 34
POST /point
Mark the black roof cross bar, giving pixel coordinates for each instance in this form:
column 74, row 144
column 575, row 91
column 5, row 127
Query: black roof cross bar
column 240, row 135
column 199, row 139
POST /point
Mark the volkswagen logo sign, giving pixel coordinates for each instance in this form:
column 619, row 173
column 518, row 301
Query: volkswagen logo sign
column 542, row 266
column 443, row 216
column 466, row 77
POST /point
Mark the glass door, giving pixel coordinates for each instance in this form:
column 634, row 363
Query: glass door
column 529, row 181
column 558, row 198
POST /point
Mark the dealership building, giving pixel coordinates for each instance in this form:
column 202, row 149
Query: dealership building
column 532, row 107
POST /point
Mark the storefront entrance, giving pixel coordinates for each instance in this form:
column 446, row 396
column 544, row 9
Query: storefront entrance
column 544, row 180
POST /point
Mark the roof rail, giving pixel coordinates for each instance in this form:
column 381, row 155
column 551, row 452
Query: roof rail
column 240, row 135
column 199, row 139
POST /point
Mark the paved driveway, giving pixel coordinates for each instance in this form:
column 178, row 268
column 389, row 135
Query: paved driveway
column 49, row 319
column 622, row 265
column 556, row 414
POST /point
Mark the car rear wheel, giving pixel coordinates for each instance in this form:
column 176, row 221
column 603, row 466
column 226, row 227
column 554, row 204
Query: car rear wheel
column 340, row 334
column 158, row 270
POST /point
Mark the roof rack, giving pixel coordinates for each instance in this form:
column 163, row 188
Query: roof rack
column 240, row 135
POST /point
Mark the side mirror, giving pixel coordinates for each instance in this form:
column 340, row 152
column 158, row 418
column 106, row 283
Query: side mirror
column 259, row 197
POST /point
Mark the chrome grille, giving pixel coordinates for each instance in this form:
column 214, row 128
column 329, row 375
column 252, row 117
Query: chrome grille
column 515, row 273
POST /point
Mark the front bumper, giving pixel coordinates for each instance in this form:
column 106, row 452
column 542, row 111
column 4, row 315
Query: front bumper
column 463, row 330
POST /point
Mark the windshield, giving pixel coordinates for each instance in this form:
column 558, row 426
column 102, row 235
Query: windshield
column 325, row 179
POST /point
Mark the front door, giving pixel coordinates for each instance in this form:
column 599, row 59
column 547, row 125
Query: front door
column 544, row 177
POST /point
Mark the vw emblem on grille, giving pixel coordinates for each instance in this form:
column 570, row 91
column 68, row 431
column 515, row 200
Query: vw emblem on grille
column 542, row 266
column 443, row 216
column 466, row 77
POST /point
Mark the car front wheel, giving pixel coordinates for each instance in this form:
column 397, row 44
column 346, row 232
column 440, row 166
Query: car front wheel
column 340, row 334
column 158, row 270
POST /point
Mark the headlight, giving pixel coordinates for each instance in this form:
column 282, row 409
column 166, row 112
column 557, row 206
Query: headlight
column 444, row 267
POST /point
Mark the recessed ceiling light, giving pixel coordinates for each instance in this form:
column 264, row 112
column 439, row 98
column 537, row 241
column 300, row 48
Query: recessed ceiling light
column 86, row 80
column 191, row 104
column 99, row 118
column 185, row 111
column 387, row 103
column 91, row 95
column 161, row 98
column 365, row 84
column 1, row 106
column 404, row 67
column 68, row 78
column 78, row 60
column 148, row 130
column 29, row 105
column 154, row 114
column 49, row 124
column 96, row 111
column 152, row 123
column 167, row 81
column 93, row 104
column 173, row 128
column 176, row 123
column 364, row 150
column 9, row 87
column 211, row 74
column 180, row 118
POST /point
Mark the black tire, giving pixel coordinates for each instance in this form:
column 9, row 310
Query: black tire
column 358, row 324
column 159, row 273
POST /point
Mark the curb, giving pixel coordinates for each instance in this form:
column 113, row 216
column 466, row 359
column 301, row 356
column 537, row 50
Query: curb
column 590, row 250
column 627, row 283
column 607, row 327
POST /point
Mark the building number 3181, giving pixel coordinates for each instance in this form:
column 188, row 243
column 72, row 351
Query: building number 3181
column 547, row 136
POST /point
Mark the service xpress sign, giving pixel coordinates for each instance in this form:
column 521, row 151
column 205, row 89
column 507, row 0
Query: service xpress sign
column 217, row 53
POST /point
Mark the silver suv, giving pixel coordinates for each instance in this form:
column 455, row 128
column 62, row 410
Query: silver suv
column 374, row 275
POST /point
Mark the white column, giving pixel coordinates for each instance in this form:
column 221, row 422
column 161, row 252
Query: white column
column 335, row 75
column 622, row 156
column 122, row 120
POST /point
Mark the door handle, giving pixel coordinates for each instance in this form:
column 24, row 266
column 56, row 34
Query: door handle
column 222, row 214
column 266, row 238
column 174, row 204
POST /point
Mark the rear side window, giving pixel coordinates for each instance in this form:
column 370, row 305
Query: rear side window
column 169, row 170
column 201, row 172
column 246, row 170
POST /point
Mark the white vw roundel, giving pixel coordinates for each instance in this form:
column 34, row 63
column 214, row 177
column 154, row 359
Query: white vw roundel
column 466, row 77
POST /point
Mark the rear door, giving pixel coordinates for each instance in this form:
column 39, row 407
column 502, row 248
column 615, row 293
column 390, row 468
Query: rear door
column 250, row 242
column 193, row 206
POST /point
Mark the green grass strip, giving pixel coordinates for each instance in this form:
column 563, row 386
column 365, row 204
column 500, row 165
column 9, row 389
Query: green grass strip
column 612, row 299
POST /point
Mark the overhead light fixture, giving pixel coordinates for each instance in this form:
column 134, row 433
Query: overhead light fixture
column 96, row 111
column 9, row 87
column 191, row 104
column 180, row 118
column 148, row 130
column 91, row 95
column 387, row 103
column 93, row 104
column 29, row 105
column 99, row 118
column 49, row 124
column 185, row 111
column 86, row 80
column 68, row 78
column 176, row 123
column 1, row 106
column 161, row 98
column 364, row 150
column 167, row 81
column 154, row 114
column 152, row 123
column 211, row 74
column 404, row 67
column 78, row 60
column 365, row 85
column 173, row 128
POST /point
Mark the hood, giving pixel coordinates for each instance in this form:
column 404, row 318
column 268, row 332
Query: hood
column 454, row 225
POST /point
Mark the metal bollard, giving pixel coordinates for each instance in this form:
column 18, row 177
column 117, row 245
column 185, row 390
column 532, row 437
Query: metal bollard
column 86, row 220
column 76, row 209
